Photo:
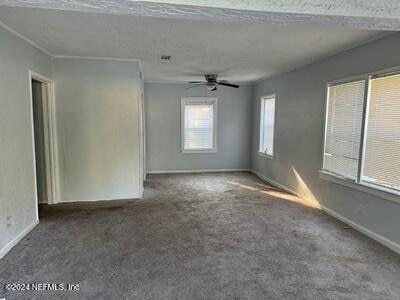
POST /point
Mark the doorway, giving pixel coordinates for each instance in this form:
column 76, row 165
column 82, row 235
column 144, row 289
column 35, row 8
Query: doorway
column 39, row 96
column 43, row 127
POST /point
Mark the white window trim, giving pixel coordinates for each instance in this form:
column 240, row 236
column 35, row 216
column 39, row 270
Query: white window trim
column 358, row 183
column 366, row 98
column 365, row 187
column 199, row 100
column 263, row 154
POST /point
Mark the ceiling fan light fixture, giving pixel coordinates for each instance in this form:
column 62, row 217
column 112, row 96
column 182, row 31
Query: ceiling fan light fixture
column 212, row 87
column 212, row 83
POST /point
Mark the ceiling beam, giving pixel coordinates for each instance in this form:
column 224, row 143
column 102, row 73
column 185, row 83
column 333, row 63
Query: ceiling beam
column 361, row 14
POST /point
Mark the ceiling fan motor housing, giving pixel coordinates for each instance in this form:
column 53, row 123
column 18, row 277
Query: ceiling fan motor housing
column 211, row 82
column 212, row 78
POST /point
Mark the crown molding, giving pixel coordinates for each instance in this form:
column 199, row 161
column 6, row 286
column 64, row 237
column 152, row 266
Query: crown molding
column 96, row 58
column 24, row 38
column 342, row 50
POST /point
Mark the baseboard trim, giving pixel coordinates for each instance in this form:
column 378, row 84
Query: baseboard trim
column 196, row 171
column 380, row 239
column 133, row 197
column 17, row 239
column 273, row 182
column 375, row 236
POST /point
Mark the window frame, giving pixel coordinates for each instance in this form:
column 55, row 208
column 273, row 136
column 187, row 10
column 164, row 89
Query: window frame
column 261, row 126
column 350, row 80
column 199, row 101
column 359, row 183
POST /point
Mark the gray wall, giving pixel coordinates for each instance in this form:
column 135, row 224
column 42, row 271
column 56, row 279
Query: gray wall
column 163, row 128
column 299, row 135
column 98, row 119
column 17, row 185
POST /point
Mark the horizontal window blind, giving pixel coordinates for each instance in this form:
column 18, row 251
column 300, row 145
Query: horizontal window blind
column 343, row 128
column 267, row 121
column 198, row 126
column 382, row 145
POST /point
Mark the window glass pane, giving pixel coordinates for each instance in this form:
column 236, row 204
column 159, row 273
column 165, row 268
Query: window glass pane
column 267, row 121
column 198, row 124
column 382, row 145
column 343, row 128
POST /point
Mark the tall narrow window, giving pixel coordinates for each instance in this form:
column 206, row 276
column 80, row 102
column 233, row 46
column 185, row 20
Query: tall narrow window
column 199, row 125
column 382, row 138
column 343, row 128
column 267, row 122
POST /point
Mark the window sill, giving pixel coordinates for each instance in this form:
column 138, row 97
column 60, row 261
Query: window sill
column 199, row 151
column 265, row 155
column 364, row 187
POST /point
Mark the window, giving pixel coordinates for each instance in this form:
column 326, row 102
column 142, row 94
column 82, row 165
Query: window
column 343, row 128
column 363, row 143
column 382, row 138
column 199, row 118
column 267, row 122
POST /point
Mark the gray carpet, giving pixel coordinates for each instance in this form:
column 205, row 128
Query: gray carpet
column 204, row 236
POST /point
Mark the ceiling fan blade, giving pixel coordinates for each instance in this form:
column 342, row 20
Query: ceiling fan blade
column 196, row 84
column 228, row 84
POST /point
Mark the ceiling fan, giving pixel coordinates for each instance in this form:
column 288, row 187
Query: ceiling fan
column 212, row 83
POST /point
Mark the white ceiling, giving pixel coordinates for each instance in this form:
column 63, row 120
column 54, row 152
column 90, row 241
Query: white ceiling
column 360, row 14
column 239, row 52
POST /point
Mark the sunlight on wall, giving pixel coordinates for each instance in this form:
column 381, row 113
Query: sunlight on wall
column 303, row 190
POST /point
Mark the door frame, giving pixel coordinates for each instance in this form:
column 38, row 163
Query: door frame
column 143, row 123
column 50, row 138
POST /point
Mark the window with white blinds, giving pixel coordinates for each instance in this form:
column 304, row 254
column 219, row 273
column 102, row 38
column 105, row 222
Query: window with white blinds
column 267, row 123
column 376, row 127
column 343, row 128
column 382, row 138
column 198, row 124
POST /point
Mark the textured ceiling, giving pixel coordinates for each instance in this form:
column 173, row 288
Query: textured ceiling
column 240, row 52
column 361, row 14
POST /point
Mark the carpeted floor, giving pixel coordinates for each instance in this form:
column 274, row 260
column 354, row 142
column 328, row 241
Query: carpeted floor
column 203, row 236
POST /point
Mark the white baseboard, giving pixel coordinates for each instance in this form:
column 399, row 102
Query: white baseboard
column 137, row 196
column 388, row 243
column 273, row 182
column 196, row 171
column 16, row 240
column 377, row 237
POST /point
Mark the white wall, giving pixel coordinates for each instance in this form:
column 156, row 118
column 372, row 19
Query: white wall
column 98, row 128
column 17, row 185
column 299, row 136
column 163, row 128
column 98, row 125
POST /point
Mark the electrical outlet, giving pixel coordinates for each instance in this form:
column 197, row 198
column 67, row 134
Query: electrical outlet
column 8, row 221
column 361, row 210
